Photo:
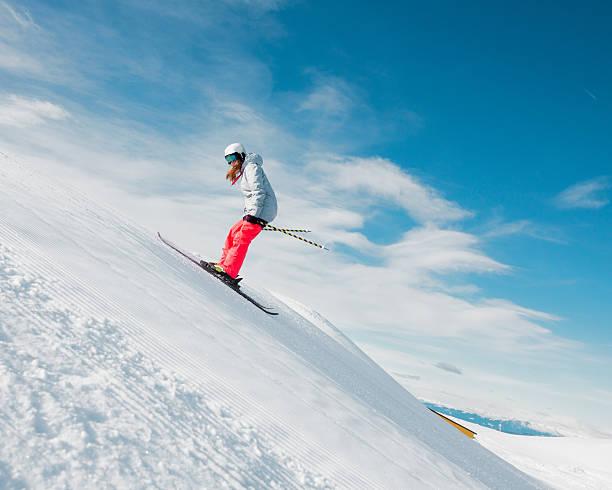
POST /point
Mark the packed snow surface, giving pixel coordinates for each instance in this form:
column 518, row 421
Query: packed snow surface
column 566, row 463
column 124, row 365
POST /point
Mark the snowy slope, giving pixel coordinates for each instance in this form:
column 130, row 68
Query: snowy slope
column 121, row 364
column 565, row 463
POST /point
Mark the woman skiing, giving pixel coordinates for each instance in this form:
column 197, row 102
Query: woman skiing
column 259, row 209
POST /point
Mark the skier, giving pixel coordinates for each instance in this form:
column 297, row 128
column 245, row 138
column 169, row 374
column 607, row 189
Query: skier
column 259, row 209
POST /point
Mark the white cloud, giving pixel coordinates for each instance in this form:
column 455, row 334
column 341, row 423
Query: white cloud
column 262, row 5
column 509, row 228
column 23, row 18
column 28, row 50
column 370, row 180
column 22, row 112
column 525, row 227
column 587, row 195
column 338, row 112
column 330, row 97
column 439, row 250
column 16, row 61
column 237, row 112
column 446, row 366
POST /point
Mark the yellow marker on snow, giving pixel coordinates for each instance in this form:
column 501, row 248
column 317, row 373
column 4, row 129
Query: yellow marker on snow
column 464, row 430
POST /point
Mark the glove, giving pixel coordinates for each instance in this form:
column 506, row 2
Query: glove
column 255, row 220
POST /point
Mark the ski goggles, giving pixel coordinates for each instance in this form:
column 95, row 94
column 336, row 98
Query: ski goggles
column 230, row 158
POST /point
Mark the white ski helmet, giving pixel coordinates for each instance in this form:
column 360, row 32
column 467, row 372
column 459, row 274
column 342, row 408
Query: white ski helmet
column 235, row 148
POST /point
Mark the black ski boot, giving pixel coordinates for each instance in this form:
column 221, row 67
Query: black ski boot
column 218, row 271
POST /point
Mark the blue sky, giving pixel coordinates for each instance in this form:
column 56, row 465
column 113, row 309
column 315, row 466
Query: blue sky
column 457, row 157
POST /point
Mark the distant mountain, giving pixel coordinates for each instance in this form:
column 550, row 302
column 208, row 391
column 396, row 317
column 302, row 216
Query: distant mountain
column 518, row 427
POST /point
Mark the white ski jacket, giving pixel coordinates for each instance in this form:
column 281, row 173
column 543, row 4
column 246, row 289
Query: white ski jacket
column 259, row 198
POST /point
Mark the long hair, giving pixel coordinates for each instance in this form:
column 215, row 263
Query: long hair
column 234, row 171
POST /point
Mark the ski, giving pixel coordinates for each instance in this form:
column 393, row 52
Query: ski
column 204, row 268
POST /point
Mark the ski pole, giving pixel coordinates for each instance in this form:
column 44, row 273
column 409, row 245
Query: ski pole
column 273, row 228
column 286, row 229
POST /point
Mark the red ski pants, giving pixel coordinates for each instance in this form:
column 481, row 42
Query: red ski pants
column 237, row 243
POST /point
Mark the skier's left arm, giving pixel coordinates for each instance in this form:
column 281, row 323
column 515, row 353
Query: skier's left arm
column 255, row 177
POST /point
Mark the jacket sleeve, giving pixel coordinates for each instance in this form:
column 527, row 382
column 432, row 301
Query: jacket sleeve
column 255, row 177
